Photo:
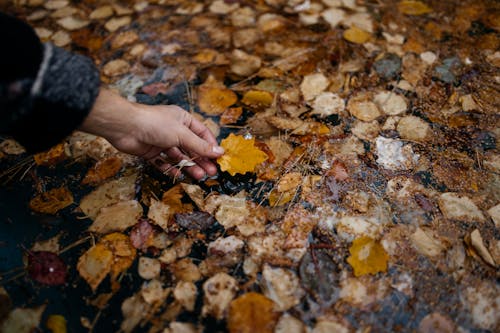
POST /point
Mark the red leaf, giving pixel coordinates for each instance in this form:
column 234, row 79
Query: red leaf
column 47, row 268
column 141, row 233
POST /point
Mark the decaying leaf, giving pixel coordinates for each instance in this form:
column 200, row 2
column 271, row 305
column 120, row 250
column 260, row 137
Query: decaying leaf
column 241, row 155
column 117, row 217
column 22, row 320
column 356, row 35
column 95, row 264
column 413, row 7
column 52, row 201
column 53, row 156
column 257, row 98
column 103, row 170
column 219, row 292
column 367, row 256
column 107, row 194
column 230, row 116
column 252, row 312
column 123, row 252
column 46, row 268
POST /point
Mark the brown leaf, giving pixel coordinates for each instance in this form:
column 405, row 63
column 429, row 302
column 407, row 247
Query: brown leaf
column 52, row 201
column 103, row 170
column 252, row 312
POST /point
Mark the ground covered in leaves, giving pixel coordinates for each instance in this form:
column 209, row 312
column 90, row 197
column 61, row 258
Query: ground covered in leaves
column 359, row 191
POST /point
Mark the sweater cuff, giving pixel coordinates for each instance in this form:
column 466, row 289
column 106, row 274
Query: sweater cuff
column 62, row 95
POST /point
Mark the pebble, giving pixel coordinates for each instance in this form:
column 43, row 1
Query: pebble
column 327, row 326
column 389, row 66
column 313, row 84
column 64, row 12
column 116, row 23
column 436, row 323
column 37, row 15
column 223, row 7
column 328, row 103
column 282, row 286
column 427, row 244
column 391, row 103
column 56, row 4
column 116, row 67
column 219, row 291
column 243, row 17
column 366, row 130
column 43, row 33
column 413, row 128
column 289, row 324
column 185, row 293
column 483, row 302
column 361, row 107
column 461, row 208
column 444, row 72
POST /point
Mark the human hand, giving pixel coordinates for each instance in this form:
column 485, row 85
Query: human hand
column 165, row 135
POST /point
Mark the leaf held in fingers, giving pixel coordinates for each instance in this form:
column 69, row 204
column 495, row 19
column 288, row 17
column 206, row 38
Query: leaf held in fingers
column 252, row 312
column 241, row 155
column 367, row 256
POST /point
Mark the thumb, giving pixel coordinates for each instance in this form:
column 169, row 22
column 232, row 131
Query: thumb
column 188, row 141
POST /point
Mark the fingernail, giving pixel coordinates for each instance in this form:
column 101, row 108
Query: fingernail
column 218, row 149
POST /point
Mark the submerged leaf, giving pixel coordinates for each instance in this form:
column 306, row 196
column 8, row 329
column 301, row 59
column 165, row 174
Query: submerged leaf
column 367, row 256
column 241, row 155
column 103, row 170
column 56, row 324
column 95, row 264
column 356, row 35
column 214, row 98
column 54, row 155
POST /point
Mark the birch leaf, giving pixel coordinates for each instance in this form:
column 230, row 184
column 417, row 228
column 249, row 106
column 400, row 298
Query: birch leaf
column 367, row 256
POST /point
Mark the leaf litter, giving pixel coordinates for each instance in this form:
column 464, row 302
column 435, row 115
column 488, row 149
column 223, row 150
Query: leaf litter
column 358, row 192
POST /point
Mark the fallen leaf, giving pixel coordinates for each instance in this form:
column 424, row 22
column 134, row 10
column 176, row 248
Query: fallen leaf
column 95, row 264
column 214, row 98
column 277, row 198
column 241, row 155
column 356, row 35
column 56, row 324
column 411, row 7
column 52, row 201
column 367, row 256
column 22, row 320
column 103, row 170
column 142, row 234
column 46, row 268
column 252, row 312
column 230, row 116
column 51, row 157
column 257, row 98
column 117, row 217
column 123, row 252
column 195, row 220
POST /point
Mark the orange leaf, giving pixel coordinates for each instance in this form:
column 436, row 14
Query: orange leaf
column 95, row 264
column 214, row 98
column 241, row 155
column 257, row 98
column 56, row 324
column 367, row 256
column 231, row 115
column 103, row 170
column 251, row 313
column 356, row 35
column 52, row 201
column 123, row 252
column 52, row 156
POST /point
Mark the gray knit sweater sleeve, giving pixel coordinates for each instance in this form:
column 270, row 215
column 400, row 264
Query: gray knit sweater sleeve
column 59, row 99
column 45, row 109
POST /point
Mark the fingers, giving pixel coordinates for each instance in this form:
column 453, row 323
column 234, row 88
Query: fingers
column 202, row 168
column 191, row 142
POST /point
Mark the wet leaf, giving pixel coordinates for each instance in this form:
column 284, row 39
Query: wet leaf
column 56, row 324
column 141, row 234
column 117, row 217
column 214, row 98
column 319, row 276
column 252, row 312
column 367, row 256
column 195, row 220
column 52, row 156
column 257, row 98
column 277, row 198
column 103, row 170
column 22, row 320
column 52, row 201
column 95, row 264
column 231, row 115
column 123, row 252
column 356, row 35
column 241, row 155
column 411, row 7
column 46, row 268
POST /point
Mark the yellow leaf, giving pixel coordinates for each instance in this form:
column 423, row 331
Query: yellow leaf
column 95, row 264
column 280, row 198
column 52, row 201
column 241, row 155
column 251, row 313
column 103, row 170
column 412, row 7
column 367, row 256
column 214, row 98
column 356, row 35
column 56, row 324
column 257, row 98
column 123, row 252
